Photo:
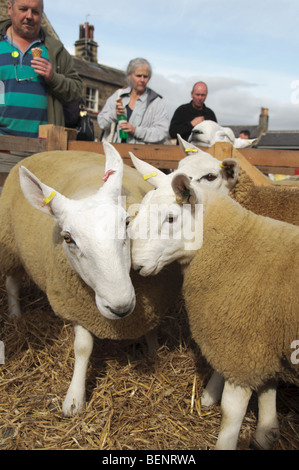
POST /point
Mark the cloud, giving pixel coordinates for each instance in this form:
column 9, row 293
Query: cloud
column 246, row 52
column 232, row 101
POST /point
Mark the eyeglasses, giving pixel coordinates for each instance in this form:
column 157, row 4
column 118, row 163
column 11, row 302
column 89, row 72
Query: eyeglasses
column 22, row 79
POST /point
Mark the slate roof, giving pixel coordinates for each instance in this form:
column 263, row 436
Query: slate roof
column 285, row 140
column 99, row 72
column 238, row 128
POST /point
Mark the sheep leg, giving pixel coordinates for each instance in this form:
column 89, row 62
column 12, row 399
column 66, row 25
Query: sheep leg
column 267, row 430
column 233, row 405
column 152, row 342
column 213, row 391
column 12, row 288
column 75, row 399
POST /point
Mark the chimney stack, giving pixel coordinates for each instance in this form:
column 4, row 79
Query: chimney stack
column 86, row 47
column 263, row 122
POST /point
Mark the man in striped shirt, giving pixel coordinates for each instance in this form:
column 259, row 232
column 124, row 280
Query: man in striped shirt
column 33, row 89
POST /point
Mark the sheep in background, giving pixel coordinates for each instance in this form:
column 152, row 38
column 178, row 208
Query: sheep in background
column 236, row 279
column 74, row 255
column 207, row 133
column 277, row 202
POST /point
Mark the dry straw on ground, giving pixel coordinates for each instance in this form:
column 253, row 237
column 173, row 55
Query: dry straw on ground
column 134, row 402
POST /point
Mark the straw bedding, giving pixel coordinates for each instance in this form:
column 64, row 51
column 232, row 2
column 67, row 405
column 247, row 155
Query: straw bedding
column 134, row 402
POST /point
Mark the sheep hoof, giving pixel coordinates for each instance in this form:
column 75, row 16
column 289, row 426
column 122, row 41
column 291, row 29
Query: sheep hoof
column 72, row 407
column 14, row 311
column 207, row 399
column 264, row 440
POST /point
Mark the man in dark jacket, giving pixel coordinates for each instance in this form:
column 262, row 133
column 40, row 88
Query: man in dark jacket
column 189, row 115
column 34, row 88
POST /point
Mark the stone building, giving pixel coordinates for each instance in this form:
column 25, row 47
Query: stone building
column 99, row 81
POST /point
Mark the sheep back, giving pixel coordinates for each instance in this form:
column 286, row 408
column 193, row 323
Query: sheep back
column 242, row 295
column 277, row 202
column 31, row 239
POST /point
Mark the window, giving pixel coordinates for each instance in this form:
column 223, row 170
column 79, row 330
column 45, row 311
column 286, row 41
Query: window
column 92, row 99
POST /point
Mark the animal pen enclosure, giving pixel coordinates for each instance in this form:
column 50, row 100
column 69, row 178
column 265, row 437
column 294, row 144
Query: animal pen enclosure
column 134, row 402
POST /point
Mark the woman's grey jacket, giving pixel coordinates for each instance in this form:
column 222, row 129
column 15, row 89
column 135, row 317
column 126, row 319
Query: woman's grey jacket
column 149, row 117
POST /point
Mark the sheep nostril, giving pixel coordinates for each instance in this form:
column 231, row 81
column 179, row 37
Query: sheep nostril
column 138, row 269
column 119, row 313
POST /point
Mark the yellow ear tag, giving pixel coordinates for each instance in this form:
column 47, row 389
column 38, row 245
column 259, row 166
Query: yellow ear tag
column 150, row 175
column 191, row 150
column 49, row 198
column 221, row 165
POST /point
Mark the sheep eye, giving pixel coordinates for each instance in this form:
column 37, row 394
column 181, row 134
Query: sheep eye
column 210, row 177
column 128, row 220
column 68, row 238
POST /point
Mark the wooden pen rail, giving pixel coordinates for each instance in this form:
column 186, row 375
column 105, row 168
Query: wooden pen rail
column 254, row 161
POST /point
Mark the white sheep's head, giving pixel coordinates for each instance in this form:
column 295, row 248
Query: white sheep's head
column 207, row 133
column 204, row 133
column 168, row 226
column 203, row 168
column 93, row 234
column 199, row 166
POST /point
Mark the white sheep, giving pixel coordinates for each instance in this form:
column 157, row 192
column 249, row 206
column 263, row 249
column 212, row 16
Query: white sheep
column 207, row 133
column 237, row 274
column 200, row 166
column 80, row 255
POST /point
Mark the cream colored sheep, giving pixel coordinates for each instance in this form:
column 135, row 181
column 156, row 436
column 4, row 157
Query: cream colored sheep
column 241, row 289
column 32, row 241
column 277, row 202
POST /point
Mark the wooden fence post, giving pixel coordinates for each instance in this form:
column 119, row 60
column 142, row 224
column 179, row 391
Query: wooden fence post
column 57, row 137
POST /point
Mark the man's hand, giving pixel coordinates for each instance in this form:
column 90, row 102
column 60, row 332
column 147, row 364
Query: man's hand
column 43, row 68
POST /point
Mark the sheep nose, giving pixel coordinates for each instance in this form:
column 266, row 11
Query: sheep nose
column 138, row 268
column 118, row 313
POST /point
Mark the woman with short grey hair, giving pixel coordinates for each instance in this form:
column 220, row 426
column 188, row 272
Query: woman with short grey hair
column 145, row 119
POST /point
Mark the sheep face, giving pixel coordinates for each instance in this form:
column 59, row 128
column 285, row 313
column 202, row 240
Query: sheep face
column 168, row 226
column 207, row 133
column 204, row 133
column 203, row 168
column 93, row 234
column 98, row 249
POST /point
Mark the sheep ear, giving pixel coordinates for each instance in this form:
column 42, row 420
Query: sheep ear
column 230, row 171
column 187, row 147
column 113, row 176
column 184, row 191
column 39, row 195
column 151, row 174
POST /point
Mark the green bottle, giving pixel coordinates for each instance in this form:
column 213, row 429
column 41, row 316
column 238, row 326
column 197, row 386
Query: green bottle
column 122, row 117
column 122, row 134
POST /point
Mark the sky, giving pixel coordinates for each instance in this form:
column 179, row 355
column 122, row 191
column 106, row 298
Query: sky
column 246, row 52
